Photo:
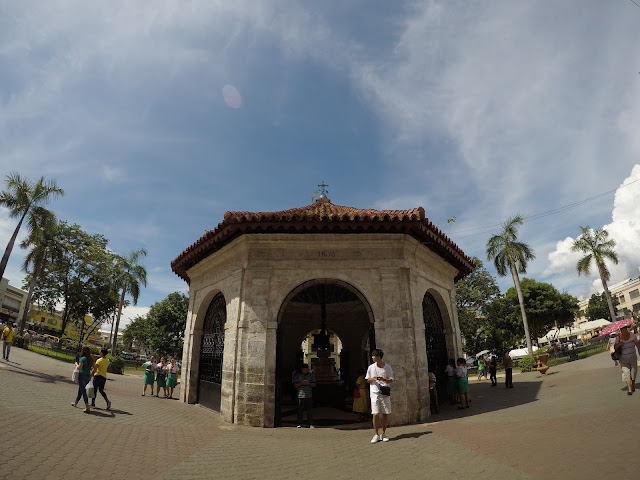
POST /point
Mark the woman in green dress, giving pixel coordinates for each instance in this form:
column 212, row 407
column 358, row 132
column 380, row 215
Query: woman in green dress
column 161, row 376
column 172, row 376
column 149, row 374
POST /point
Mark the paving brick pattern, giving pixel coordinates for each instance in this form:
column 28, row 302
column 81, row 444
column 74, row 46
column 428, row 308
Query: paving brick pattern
column 557, row 425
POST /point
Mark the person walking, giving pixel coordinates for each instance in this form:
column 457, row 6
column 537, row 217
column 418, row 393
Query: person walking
column 508, row 369
column 481, row 368
column 84, row 364
column 172, row 376
column 626, row 346
column 149, row 374
column 99, row 372
column 304, row 381
column 161, row 377
column 380, row 376
column 7, row 340
column 360, row 403
column 493, row 371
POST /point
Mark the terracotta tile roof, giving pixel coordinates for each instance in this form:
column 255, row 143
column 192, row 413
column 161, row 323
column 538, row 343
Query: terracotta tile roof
column 324, row 217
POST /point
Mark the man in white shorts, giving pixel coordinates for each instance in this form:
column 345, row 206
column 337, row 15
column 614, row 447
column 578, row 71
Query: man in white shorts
column 379, row 374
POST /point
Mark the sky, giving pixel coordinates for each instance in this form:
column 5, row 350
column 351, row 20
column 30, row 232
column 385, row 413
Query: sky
column 158, row 118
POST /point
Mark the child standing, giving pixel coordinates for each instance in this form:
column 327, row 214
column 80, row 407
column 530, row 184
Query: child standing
column 463, row 383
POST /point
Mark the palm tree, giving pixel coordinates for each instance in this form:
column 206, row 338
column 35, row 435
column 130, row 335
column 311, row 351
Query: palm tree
column 25, row 199
column 506, row 252
column 598, row 247
column 132, row 275
column 40, row 239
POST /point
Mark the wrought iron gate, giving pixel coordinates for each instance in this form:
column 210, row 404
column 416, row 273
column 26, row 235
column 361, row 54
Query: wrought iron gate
column 211, row 354
column 434, row 338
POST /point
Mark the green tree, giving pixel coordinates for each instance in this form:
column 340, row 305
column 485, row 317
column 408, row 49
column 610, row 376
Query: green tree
column 546, row 307
column 599, row 306
column 504, row 326
column 25, row 199
column 138, row 333
column 473, row 294
column 598, row 247
column 79, row 274
column 167, row 321
column 510, row 254
column 131, row 276
column 40, row 240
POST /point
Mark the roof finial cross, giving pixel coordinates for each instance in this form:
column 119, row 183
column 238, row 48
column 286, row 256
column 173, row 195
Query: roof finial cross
column 323, row 187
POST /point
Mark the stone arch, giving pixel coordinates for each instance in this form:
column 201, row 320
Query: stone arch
column 348, row 314
column 315, row 281
column 437, row 330
column 209, row 328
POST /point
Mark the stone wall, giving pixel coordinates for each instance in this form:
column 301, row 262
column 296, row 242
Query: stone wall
column 258, row 273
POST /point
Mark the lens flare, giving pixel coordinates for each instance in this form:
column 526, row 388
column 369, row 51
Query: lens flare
column 231, row 96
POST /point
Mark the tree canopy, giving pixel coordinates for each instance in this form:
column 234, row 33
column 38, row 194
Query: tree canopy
column 473, row 295
column 161, row 331
column 599, row 306
column 510, row 254
column 25, row 200
column 597, row 247
column 546, row 307
column 79, row 275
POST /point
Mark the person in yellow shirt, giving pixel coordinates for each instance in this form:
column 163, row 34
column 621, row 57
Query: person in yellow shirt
column 99, row 372
column 7, row 338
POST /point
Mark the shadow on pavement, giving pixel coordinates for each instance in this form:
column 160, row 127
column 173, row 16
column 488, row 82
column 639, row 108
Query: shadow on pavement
column 410, row 435
column 485, row 398
column 42, row 376
column 100, row 412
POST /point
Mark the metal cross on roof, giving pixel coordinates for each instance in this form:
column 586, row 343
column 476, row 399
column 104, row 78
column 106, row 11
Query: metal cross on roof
column 323, row 187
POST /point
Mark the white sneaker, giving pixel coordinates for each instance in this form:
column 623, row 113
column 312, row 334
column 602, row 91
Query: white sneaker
column 311, row 426
column 384, row 438
column 375, row 439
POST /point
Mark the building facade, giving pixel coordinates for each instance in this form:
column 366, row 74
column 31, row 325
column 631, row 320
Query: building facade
column 50, row 323
column 261, row 283
column 628, row 294
column 12, row 302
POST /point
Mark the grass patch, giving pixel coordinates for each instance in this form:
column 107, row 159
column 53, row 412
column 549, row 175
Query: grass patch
column 60, row 355
column 582, row 352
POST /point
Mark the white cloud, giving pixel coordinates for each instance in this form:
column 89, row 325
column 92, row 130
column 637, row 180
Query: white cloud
column 130, row 313
column 624, row 229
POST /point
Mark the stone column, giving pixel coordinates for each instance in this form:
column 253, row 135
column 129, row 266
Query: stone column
column 250, row 397
column 398, row 343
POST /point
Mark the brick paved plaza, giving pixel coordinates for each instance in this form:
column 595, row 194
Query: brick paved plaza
column 575, row 422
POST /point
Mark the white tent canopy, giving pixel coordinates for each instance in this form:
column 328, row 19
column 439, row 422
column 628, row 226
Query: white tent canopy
column 561, row 333
column 567, row 332
column 594, row 324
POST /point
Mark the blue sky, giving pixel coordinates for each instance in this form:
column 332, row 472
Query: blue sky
column 157, row 118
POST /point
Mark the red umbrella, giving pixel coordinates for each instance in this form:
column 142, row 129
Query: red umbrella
column 615, row 326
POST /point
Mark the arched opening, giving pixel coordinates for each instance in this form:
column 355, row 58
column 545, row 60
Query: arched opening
column 212, row 353
column 328, row 324
column 435, row 339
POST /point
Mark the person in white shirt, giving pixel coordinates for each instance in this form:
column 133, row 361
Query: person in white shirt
column 379, row 375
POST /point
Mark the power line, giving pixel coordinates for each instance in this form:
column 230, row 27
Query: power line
column 635, row 3
column 536, row 216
